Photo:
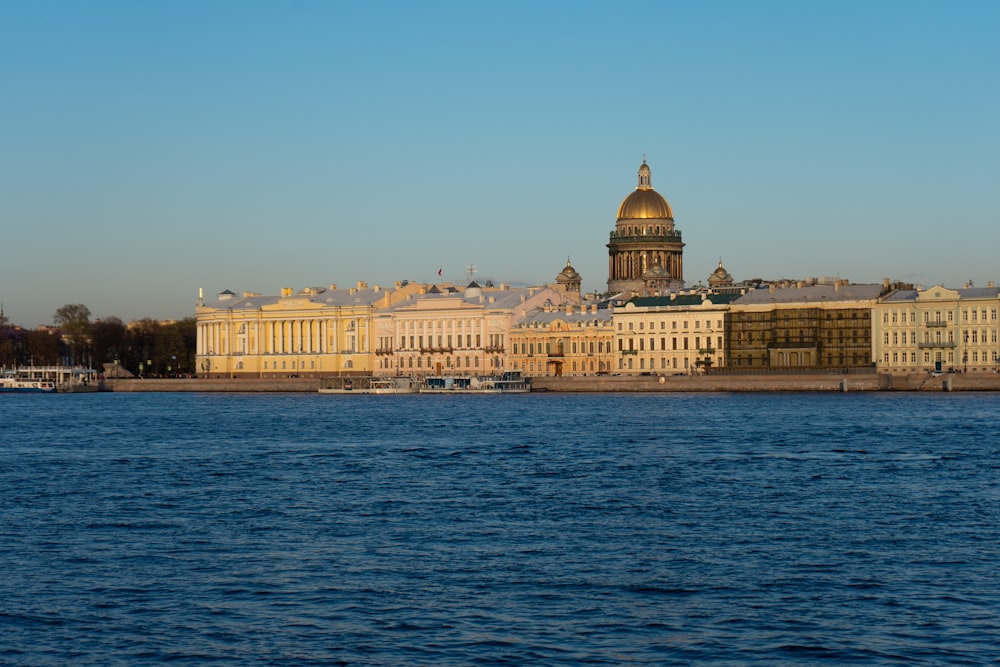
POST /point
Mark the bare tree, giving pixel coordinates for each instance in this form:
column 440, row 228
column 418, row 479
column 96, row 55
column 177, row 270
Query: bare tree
column 74, row 321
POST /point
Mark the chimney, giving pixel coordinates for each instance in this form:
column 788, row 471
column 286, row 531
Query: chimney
column 333, row 286
column 286, row 291
column 569, row 309
column 362, row 284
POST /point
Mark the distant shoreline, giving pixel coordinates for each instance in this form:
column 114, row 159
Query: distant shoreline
column 820, row 382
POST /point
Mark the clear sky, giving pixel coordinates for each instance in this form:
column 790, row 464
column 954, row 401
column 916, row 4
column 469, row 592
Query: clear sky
column 151, row 148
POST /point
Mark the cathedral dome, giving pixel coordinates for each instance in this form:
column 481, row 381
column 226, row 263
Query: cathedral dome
column 720, row 277
column 644, row 203
column 569, row 274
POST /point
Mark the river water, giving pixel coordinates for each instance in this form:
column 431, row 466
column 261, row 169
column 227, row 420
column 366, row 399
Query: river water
column 666, row 529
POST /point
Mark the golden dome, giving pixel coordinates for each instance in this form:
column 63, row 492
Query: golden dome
column 644, row 203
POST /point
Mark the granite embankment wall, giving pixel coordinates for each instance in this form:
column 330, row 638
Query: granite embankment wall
column 214, row 384
column 774, row 382
column 611, row 383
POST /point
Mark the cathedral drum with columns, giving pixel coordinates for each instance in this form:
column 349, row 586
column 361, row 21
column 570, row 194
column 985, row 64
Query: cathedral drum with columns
column 645, row 252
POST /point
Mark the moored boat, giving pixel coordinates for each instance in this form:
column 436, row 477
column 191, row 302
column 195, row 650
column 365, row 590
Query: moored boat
column 48, row 380
column 507, row 383
column 15, row 385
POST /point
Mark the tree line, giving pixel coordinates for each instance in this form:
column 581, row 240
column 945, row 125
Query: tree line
column 143, row 347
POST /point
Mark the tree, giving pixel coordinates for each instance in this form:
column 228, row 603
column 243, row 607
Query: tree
column 42, row 349
column 74, row 321
column 108, row 340
column 8, row 343
column 73, row 318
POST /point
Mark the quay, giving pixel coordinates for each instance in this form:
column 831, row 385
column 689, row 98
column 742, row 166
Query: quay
column 771, row 382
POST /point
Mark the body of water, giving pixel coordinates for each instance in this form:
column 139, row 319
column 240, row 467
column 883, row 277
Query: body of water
column 751, row 529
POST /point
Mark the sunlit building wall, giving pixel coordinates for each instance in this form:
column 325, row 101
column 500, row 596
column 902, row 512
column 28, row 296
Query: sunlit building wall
column 937, row 329
column 678, row 333
column 563, row 341
column 311, row 333
column 456, row 331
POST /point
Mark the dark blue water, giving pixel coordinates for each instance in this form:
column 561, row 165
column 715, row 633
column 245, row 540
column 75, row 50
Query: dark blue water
column 547, row 529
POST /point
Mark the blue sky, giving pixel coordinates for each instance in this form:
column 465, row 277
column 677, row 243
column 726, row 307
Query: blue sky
column 152, row 148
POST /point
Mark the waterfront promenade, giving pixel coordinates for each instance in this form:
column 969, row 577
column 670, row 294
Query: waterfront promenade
column 611, row 383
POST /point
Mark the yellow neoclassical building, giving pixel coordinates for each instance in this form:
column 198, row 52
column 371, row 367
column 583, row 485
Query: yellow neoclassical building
column 678, row 333
column 937, row 329
column 563, row 340
column 311, row 333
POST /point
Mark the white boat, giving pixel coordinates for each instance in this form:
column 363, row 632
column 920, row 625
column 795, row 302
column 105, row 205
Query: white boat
column 48, row 379
column 508, row 383
column 11, row 384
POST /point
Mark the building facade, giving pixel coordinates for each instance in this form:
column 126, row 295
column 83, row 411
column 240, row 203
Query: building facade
column 937, row 329
column 312, row 333
column 679, row 333
column 793, row 326
column 450, row 331
column 563, row 340
column 645, row 251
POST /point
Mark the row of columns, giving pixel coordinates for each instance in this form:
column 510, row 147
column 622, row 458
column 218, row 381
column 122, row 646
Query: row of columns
column 271, row 337
column 631, row 264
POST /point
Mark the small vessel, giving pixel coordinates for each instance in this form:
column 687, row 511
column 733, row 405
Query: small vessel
column 13, row 384
column 507, row 383
column 48, row 380
column 367, row 385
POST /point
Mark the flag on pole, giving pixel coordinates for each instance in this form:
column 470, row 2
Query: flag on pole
column 439, row 273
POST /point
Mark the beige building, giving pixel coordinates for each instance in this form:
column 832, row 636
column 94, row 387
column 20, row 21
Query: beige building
column 937, row 329
column 312, row 333
column 446, row 330
column 563, row 340
column 678, row 333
